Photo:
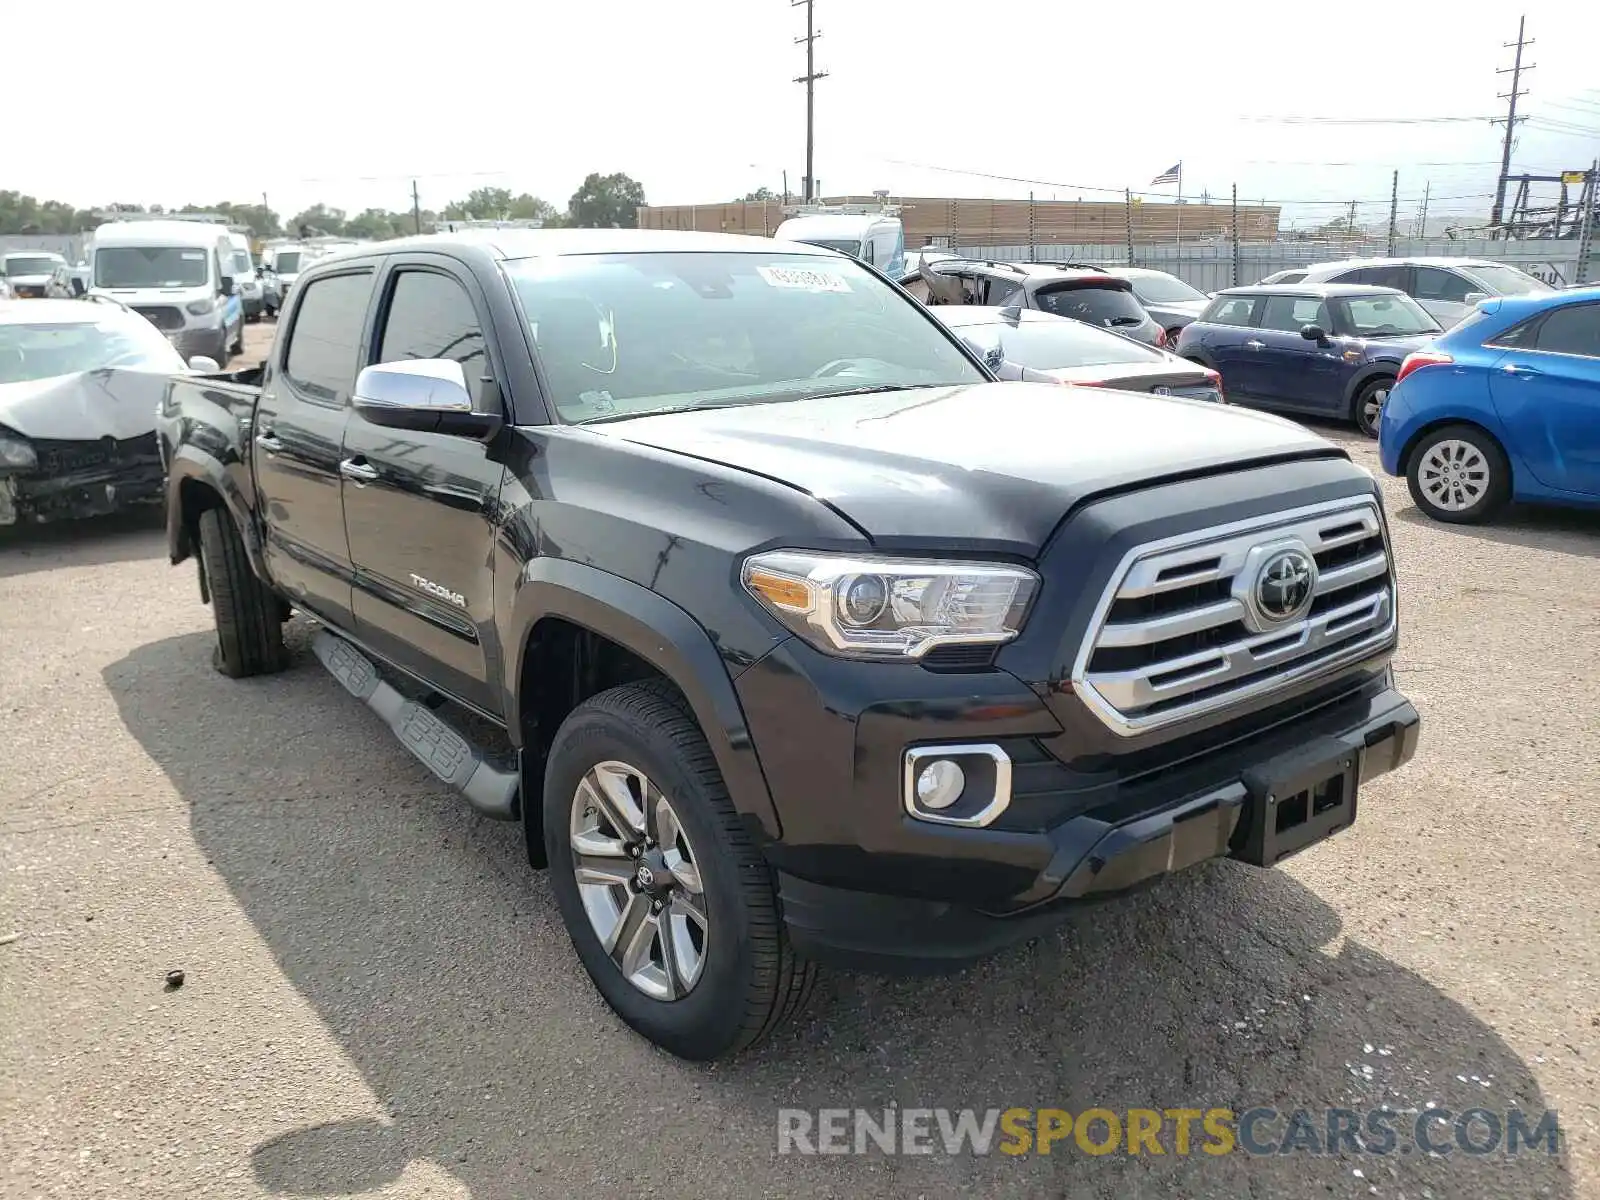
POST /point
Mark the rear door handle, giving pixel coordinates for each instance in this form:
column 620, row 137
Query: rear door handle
column 1519, row 369
column 1252, row 344
column 358, row 471
column 268, row 441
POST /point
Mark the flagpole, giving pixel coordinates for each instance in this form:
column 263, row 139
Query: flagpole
column 1180, row 205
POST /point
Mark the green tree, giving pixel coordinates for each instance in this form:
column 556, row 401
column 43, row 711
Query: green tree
column 606, row 202
column 761, row 193
column 318, row 219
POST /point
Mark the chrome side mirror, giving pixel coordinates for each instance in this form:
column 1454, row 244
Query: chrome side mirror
column 202, row 365
column 428, row 395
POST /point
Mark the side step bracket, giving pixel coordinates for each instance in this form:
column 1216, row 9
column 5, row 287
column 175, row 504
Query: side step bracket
column 440, row 748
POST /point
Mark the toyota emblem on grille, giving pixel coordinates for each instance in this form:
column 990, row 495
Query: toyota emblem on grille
column 1284, row 585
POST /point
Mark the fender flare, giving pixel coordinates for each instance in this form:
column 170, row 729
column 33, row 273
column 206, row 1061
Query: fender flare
column 190, row 463
column 662, row 634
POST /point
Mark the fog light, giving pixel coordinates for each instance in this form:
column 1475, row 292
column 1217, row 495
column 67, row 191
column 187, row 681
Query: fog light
column 940, row 784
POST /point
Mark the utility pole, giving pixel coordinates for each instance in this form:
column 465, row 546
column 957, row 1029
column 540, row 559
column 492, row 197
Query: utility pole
column 1350, row 225
column 1394, row 211
column 1236, row 235
column 1591, row 196
column 1127, row 209
column 416, row 207
column 1511, row 120
column 810, row 80
column 1422, row 215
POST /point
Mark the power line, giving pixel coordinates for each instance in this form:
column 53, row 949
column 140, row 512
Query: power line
column 1511, row 118
column 1366, row 120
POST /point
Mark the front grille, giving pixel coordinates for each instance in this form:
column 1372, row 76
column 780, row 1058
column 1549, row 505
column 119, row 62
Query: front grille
column 1190, row 626
column 68, row 456
column 161, row 316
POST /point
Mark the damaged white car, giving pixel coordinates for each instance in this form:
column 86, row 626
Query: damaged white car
column 80, row 381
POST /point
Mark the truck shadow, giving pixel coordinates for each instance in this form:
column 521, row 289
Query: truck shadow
column 92, row 542
column 435, row 958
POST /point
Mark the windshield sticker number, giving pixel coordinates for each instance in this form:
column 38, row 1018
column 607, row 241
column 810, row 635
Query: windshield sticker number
column 807, row 279
column 192, row 255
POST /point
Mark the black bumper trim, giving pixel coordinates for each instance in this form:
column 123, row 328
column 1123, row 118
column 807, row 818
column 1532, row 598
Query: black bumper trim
column 1094, row 859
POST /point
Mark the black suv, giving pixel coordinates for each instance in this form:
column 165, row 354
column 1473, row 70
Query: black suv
column 806, row 639
column 1075, row 290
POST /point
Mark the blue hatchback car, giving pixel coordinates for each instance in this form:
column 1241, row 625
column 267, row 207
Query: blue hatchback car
column 1505, row 406
column 1324, row 349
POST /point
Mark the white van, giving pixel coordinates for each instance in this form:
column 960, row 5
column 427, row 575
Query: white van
column 286, row 260
column 245, row 280
column 875, row 236
column 176, row 274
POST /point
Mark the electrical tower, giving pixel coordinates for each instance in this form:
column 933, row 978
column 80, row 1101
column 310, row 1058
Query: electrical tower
column 1510, row 120
column 810, row 80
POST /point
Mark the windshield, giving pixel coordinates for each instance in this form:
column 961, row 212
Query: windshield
column 1384, row 316
column 1508, row 281
column 629, row 334
column 16, row 264
column 1164, row 289
column 241, row 264
column 1112, row 307
column 30, row 352
column 149, row 267
column 1052, row 345
column 286, row 261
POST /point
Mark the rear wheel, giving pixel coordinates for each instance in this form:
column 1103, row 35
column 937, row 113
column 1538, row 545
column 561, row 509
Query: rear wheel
column 248, row 614
column 1172, row 337
column 1367, row 407
column 238, row 341
column 669, row 905
column 1459, row 474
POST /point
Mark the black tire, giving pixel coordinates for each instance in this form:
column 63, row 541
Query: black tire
column 1367, row 406
column 1490, row 474
column 752, row 980
column 238, row 342
column 247, row 612
column 1172, row 337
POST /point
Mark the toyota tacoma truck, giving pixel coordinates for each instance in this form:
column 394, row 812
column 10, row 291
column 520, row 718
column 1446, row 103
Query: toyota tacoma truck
column 808, row 640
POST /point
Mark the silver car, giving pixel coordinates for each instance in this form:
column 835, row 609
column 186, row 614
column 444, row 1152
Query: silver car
column 1449, row 288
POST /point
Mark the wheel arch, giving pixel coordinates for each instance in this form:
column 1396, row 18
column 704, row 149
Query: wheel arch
column 1377, row 370
column 568, row 616
column 195, row 482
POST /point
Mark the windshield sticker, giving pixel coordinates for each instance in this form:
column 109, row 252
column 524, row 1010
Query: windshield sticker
column 808, row 279
column 600, row 401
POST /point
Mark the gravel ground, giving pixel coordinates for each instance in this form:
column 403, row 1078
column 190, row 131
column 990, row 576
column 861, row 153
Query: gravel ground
column 380, row 999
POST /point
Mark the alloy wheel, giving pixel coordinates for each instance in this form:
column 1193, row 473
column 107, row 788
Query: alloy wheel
column 1372, row 409
column 1454, row 475
column 639, row 880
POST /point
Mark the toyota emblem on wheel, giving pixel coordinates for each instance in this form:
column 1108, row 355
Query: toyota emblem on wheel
column 1285, row 584
column 645, row 878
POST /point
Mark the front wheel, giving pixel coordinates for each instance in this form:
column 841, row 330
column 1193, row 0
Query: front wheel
column 1459, row 475
column 238, row 341
column 248, row 613
column 1367, row 407
column 669, row 905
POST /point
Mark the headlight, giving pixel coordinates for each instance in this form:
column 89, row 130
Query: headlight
column 14, row 452
column 889, row 607
column 200, row 308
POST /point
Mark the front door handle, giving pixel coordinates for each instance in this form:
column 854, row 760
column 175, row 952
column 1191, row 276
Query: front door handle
column 1520, row 369
column 358, row 471
column 269, row 442
column 1252, row 344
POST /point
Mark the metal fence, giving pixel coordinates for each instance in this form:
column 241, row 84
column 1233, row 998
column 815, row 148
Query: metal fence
column 69, row 246
column 1213, row 264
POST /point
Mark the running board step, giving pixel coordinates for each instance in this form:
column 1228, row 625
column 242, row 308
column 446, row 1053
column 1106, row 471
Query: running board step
column 456, row 761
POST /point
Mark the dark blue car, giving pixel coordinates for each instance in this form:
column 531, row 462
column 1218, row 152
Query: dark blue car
column 1504, row 406
column 1324, row 349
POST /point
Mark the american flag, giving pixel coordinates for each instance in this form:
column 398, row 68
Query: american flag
column 1170, row 175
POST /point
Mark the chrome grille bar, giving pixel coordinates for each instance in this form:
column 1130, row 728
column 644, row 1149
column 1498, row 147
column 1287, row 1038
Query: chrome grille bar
column 1182, row 629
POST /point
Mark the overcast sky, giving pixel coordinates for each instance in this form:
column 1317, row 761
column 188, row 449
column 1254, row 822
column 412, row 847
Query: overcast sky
column 345, row 103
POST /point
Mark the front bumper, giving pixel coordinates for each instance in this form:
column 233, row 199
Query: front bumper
column 864, row 882
column 83, row 479
column 204, row 340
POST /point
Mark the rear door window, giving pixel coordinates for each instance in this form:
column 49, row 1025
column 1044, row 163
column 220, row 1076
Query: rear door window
column 1290, row 314
column 1111, row 307
column 1230, row 310
column 1572, row 330
column 325, row 339
column 1003, row 292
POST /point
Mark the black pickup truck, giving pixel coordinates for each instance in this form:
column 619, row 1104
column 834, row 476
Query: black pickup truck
column 809, row 640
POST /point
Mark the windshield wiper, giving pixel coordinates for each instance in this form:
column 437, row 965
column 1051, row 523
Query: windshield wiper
column 870, row 388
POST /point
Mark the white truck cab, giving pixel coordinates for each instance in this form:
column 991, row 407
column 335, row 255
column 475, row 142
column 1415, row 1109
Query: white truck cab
column 28, row 272
column 874, row 235
column 179, row 275
column 286, row 259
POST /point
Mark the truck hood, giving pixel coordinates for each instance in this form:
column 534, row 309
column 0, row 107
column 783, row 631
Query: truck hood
column 1190, row 309
column 86, row 406
column 1395, row 347
column 993, row 465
